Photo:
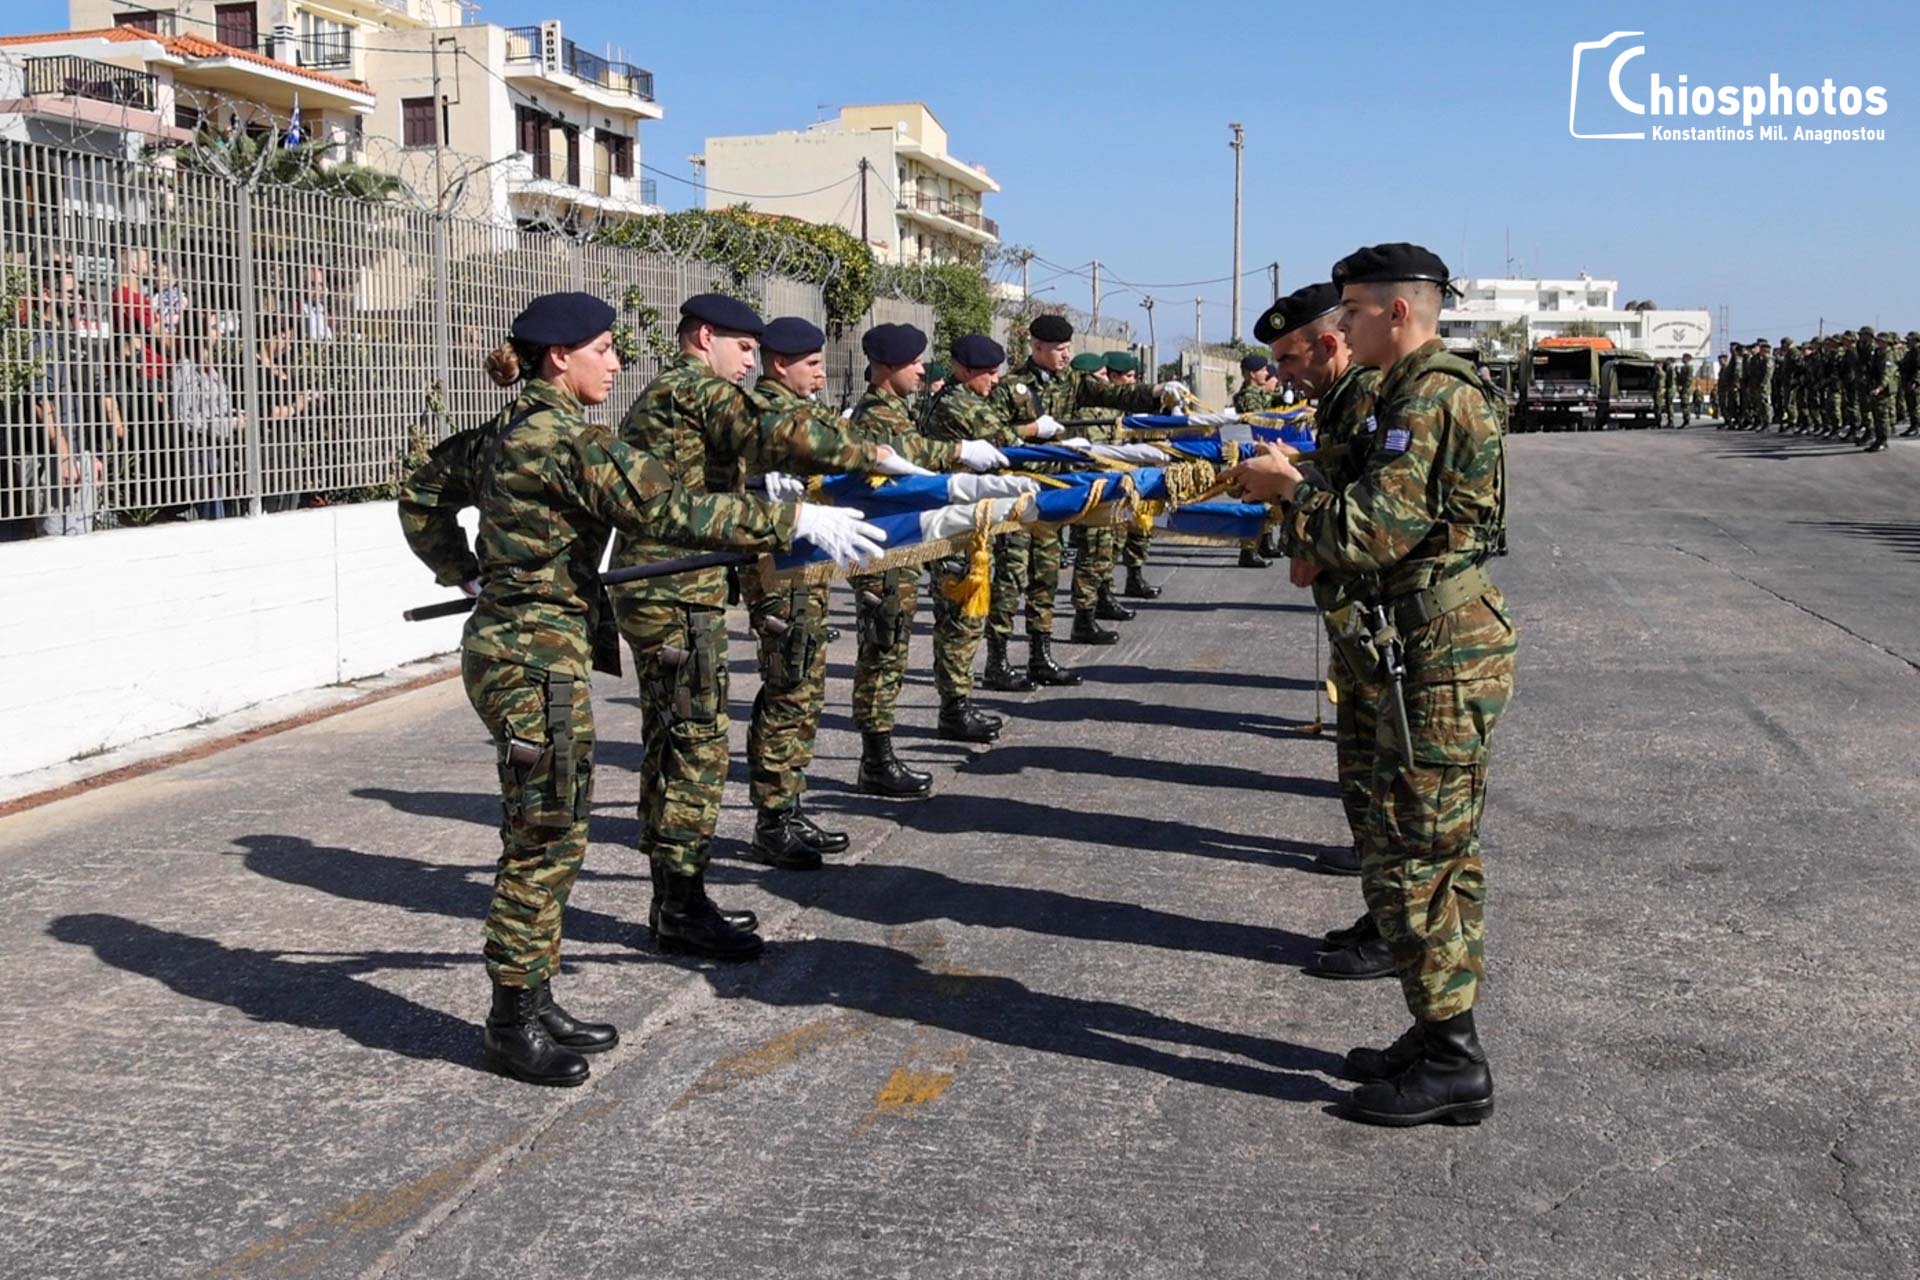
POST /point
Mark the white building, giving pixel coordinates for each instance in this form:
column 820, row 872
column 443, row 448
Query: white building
column 918, row 202
column 1549, row 308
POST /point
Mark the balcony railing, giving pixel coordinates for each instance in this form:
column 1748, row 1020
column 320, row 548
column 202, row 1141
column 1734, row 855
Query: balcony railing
column 71, row 77
column 326, row 52
column 523, row 45
column 955, row 212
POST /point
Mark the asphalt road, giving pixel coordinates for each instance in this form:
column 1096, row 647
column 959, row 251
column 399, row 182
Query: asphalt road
column 1052, row 1021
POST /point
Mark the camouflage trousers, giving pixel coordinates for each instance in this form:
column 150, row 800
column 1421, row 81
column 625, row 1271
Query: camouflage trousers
column 791, row 627
column 1093, row 566
column 1134, row 554
column 1880, row 417
column 1909, row 399
column 1356, row 726
column 680, row 656
column 1024, row 565
column 1421, row 871
column 956, row 637
column 884, row 605
column 542, row 729
column 1760, row 409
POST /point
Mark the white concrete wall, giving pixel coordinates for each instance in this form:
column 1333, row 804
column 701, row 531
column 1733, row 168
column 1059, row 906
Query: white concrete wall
column 113, row 637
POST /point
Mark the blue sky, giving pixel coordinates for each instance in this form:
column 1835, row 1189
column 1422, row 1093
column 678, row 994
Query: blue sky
column 1445, row 124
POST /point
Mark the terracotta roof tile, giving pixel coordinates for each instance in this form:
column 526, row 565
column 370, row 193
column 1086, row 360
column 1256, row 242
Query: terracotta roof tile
column 190, row 47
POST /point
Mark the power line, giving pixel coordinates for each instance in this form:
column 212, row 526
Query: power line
column 744, row 195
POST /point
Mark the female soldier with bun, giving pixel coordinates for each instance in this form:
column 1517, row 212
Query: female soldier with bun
column 550, row 488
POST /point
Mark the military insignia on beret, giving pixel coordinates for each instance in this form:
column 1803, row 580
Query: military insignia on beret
column 1019, row 388
column 1397, row 440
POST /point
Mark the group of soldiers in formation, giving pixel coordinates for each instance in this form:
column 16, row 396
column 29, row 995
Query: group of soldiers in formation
column 1389, row 520
column 1850, row 386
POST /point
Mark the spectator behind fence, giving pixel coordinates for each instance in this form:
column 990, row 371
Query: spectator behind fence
column 285, row 406
column 140, row 383
column 314, row 311
column 170, row 304
column 77, row 415
column 203, row 406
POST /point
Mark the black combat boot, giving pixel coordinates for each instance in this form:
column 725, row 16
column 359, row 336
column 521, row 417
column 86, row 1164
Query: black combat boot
column 690, row 924
column 1358, row 961
column 1367, row 1065
column 1137, row 585
column 738, row 919
column 516, row 1041
column 819, row 837
column 1359, row 931
column 779, row 841
column 1087, row 631
column 1107, row 609
column 1001, row 675
column 1042, row 669
column 1344, row 861
column 568, row 1031
column 1449, row 1081
column 959, row 722
column 1250, row 558
column 882, row 774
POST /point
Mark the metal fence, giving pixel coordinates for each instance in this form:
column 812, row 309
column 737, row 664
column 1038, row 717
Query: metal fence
column 182, row 347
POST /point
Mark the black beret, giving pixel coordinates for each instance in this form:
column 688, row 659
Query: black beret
column 1386, row 263
column 1051, row 328
column 792, row 336
column 893, row 344
column 562, row 320
column 1251, row 364
column 978, row 351
column 722, row 312
column 1299, row 308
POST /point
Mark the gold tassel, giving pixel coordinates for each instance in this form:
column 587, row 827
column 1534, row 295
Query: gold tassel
column 974, row 593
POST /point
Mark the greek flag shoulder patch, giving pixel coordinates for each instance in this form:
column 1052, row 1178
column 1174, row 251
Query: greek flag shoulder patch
column 1371, row 426
column 1398, row 438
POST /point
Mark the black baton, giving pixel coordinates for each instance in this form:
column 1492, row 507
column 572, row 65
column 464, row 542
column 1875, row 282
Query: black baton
column 612, row 578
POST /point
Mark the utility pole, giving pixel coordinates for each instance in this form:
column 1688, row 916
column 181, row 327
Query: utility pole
column 1273, row 270
column 439, row 129
column 1199, row 321
column 1153, row 342
column 1026, row 287
column 864, row 166
column 1095, row 326
column 1239, row 145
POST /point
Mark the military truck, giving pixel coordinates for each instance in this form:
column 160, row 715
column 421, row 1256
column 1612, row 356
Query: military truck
column 1560, row 385
column 1629, row 389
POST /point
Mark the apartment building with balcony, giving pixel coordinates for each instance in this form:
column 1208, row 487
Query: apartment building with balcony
column 546, row 130
column 917, row 201
column 1496, row 306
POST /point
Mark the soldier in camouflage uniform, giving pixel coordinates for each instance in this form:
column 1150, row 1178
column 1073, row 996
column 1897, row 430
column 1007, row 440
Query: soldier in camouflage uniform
column 1786, row 379
column 1040, row 393
column 789, row 623
column 886, row 602
column 1259, row 389
column 1663, row 377
column 1909, row 367
column 1879, row 367
column 1758, row 394
column 550, row 487
column 1310, row 351
column 1853, row 420
column 963, row 411
column 1425, row 513
column 1731, row 372
column 697, row 420
column 1092, row 585
column 1686, row 390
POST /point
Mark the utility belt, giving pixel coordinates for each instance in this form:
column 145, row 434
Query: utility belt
column 1406, row 614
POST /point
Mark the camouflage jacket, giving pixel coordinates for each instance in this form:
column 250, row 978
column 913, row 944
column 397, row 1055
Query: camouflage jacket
column 1251, row 399
column 551, row 487
column 958, row 414
column 1344, row 406
column 777, row 402
column 882, row 417
column 1029, row 391
column 1429, row 503
column 707, row 433
column 1759, row 373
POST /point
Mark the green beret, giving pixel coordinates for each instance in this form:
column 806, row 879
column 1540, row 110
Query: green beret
column 1086, row 362
column 936, row 371
column 1122, row 362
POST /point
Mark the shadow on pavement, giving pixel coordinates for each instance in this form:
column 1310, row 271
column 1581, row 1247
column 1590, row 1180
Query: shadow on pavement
column 1903, row 536
column 895, row 984
column 1092, row 761
column 1154, row 714
column 1100, row 673
column 267, row 987
column 899, row 894
column 1003, row 815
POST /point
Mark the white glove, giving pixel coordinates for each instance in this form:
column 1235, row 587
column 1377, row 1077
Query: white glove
column 974, row 488
column 1287, row 397
column 892, row 464
column 1078, row 442
column 978, row 455
column 1174, row 391
column 950, row 522
column 470, row 589
column 841, row 532
column 1046, row 427
column 1129, row 452
column 784, row 488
